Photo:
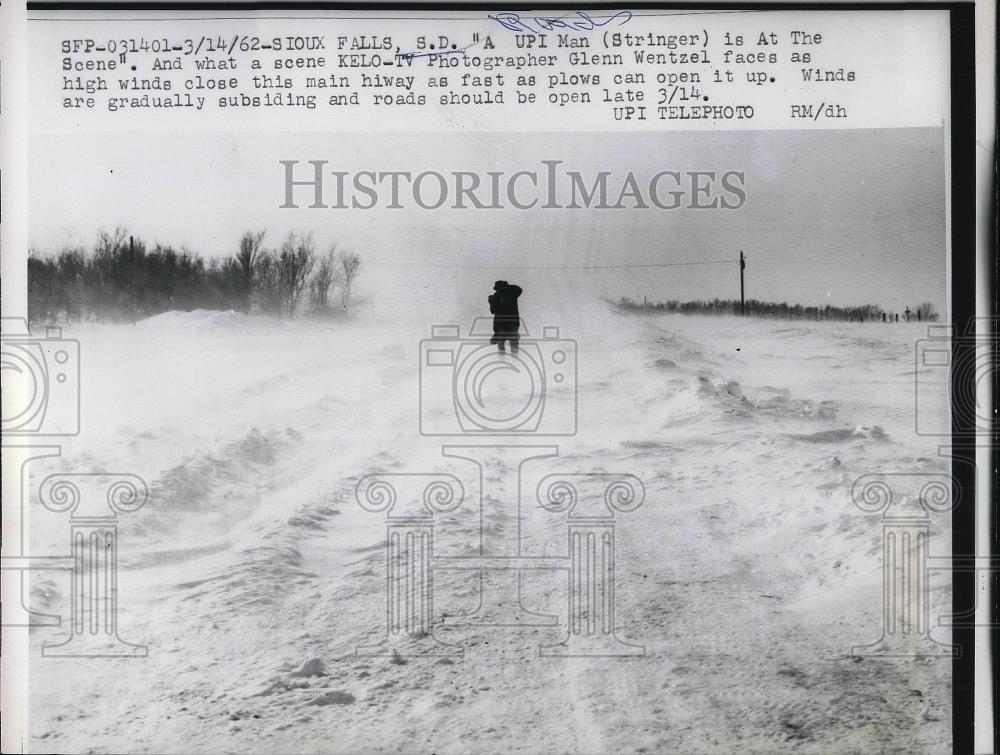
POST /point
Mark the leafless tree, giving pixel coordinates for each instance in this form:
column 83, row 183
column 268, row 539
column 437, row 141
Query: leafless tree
column 323, row 279
column 108, row 244
column 927, row 312
column 248, row 259
column 350, row 266
column 114, row 265
column 295, row 262
column 267, row 286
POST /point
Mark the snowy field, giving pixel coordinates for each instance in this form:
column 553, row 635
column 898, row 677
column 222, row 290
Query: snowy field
column 747, row 574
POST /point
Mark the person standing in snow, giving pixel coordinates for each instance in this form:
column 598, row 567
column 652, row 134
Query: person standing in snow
column 506, row 319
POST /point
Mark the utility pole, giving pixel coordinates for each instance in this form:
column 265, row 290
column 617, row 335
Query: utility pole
column 743, row 266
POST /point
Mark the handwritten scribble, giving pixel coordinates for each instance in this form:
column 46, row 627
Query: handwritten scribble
column 579, row 21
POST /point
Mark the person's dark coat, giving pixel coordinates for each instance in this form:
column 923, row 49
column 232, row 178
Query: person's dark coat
column 503, row 307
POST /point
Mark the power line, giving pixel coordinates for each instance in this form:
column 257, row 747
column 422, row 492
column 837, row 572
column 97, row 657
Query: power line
column 502, row 266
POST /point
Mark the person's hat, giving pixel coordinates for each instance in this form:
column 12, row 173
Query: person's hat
column 500, row 284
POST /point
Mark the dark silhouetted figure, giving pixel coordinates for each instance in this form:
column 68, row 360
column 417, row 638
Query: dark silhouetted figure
column 506, row 319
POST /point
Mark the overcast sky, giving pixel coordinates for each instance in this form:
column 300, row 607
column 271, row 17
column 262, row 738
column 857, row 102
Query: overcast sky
column 840, row 217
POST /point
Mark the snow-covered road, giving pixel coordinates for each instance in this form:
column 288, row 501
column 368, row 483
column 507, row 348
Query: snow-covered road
column 746, row 575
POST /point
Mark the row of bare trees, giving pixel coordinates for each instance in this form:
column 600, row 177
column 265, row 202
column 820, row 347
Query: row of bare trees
column 862, row 313
column 276, row 280
column 121, row 278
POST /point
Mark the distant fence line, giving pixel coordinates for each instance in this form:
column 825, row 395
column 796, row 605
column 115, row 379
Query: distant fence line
column 783, row 310
column 121, row 279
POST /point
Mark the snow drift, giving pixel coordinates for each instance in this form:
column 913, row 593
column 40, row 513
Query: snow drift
column 252, row 575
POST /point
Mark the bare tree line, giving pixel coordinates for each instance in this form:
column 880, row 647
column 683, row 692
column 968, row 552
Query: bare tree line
column 121, row 278
column 925, row 311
